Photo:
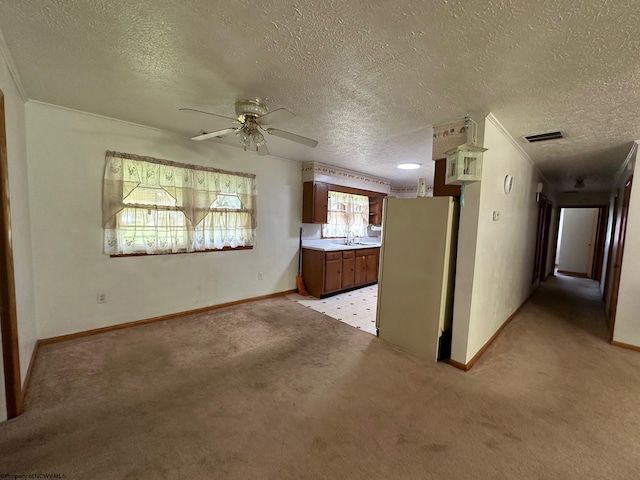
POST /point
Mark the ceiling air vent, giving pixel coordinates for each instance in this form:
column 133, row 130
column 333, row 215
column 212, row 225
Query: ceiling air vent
column 543, row 137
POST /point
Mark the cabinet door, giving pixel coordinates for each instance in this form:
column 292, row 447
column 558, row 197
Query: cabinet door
column 348, row 269
column 375, row 210
column 315, row 199
column 441, row 189
column 371, row 274
column 360, row 270
column 320, row 202
column 333, row 272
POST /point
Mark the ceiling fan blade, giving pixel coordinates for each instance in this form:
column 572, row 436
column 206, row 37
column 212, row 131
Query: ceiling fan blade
column 208, row 113
column 279, row 115
column 217, row 133
column 293, row 137
column 263, row 150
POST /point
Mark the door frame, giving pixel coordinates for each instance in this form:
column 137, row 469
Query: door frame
column 616, row 271
column 545, row 210
column 545, row 239
column 8, row 316
column 612, row 237
column 600, row 243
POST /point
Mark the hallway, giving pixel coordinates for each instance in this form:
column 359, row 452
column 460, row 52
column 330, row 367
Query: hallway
column 562, row 325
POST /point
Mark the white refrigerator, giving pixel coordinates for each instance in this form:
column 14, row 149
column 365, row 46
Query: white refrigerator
column 417, row 272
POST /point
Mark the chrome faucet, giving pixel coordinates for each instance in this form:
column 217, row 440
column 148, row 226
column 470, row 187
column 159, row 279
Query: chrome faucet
column 353, row 238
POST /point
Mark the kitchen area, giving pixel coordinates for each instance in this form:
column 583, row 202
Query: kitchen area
column 343, row 278
column 396, row 283
column 340, row 245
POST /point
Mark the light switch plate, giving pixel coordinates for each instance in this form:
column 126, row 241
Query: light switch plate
column 496, row 215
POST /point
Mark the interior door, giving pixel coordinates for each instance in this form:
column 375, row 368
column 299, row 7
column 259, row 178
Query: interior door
column 8, row 316
column 538, row 270
column 619, row 249
column 548, row 210
column 598, row 259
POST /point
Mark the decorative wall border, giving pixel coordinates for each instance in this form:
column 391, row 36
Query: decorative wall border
column 320, row 172
column 447, row 136
column 406, row 191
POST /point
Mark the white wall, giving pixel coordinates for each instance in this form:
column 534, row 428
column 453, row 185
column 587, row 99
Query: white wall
column 66, row 164
column 627, row 326
column 575, row 249
column 495, row 277
column 20, row 221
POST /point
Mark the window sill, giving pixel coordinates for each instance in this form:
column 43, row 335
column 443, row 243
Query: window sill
column 223, row 249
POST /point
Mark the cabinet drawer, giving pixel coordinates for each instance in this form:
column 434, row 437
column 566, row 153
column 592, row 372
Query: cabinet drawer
column 367, row 251
column 350, row 254
column 333, row 255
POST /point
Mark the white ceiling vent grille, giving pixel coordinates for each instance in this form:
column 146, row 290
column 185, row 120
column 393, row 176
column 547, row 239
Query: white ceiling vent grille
column 543, row 137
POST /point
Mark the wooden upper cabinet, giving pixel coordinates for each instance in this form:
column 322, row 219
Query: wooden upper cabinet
column 441, row 189
column 315, row 200
column 375, row 210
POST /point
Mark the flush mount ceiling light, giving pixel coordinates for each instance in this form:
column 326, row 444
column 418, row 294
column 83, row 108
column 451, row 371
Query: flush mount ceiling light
column 579, row 183
column 409, row 166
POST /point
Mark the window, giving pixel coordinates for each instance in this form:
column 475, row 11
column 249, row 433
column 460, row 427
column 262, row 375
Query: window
column 153, row 206
column 347, row 213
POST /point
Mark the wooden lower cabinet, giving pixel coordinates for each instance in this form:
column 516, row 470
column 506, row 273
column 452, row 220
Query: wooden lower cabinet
column 366, row 265
column 371, row 268
column 326, row 273
column 333, row 272
column 361, row 270
column 348, row 269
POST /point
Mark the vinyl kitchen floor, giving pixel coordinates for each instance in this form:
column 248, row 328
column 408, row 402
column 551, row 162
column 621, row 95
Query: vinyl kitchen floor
column 356, row 308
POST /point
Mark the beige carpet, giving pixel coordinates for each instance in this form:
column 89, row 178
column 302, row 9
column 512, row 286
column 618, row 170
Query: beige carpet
column 276, row 390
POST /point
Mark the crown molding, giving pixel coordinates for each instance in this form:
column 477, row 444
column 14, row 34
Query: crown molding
column 11, row 66
column 97, row 115
column 626, row 164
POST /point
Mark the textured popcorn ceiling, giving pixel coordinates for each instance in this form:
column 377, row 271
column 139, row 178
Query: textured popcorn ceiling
column 366, row 79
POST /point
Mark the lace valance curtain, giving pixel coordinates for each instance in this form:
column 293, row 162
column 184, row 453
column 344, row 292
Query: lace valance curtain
column 159, row 206
column 347, row 213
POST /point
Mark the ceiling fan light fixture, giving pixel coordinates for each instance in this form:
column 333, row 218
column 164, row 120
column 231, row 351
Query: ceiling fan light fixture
column 258, row 139
column 253, row 116
column 579, row 183
column 245, row 139
column 409, row 166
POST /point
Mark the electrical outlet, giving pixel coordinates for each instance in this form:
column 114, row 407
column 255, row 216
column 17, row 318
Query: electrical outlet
column 260, row 276
column 102, row 298
column 496, row 215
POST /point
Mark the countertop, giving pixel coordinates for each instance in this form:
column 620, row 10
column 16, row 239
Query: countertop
column 332, row 245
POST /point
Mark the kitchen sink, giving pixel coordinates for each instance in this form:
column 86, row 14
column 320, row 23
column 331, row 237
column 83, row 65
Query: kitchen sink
column 355, row 244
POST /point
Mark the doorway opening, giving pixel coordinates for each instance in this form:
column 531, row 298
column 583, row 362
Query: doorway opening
column 581, row 240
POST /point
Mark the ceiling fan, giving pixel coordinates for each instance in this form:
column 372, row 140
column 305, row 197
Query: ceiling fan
column 252, row 118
